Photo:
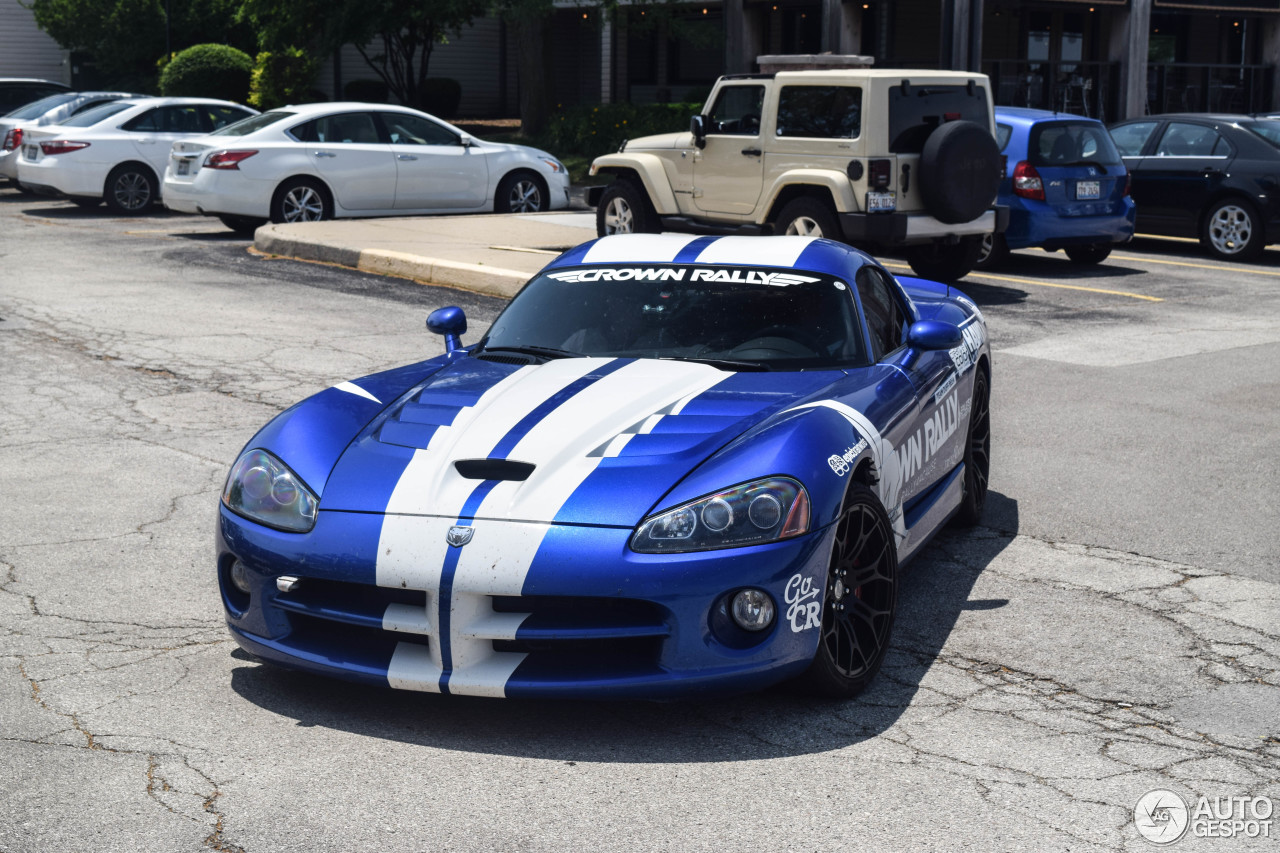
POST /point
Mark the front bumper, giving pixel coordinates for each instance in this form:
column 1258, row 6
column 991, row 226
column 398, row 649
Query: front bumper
column 904, row 229
column 592, row 619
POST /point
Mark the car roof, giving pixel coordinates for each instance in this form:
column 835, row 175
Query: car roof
column 1228, row 118
column 812, row 254
column 1029, row 116
column 342, row 106
column 34, row 80
column 149, row 101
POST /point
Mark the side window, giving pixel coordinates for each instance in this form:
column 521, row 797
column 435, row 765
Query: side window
column 148, row 122
column 222, row 116
column 1003, row 132
column 886, row 318
column 181, row 119
column 338, row 129
column 820, row 112
column 1187, row 140
column 1131, row 138
column 737, row 111
column 406, row 129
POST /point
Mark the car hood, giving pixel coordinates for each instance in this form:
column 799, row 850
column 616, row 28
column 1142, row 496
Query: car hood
column 595, row 441
column 661, row 140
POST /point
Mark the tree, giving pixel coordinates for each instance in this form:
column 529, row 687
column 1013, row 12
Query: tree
column 395, row 37
column 530, row 23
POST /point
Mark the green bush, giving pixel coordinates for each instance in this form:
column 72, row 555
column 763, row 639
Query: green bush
column 368, row 91
column 208, row 71
column 594, row 130
column 441, row 95
column 282, row 77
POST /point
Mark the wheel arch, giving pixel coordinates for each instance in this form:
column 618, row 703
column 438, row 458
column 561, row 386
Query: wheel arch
column 832, row 188
column 298, row 176
column 647, row 171
column 137, row 163
column 1227, row 194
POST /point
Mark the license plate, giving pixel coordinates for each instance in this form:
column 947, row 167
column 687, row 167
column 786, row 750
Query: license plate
column 184, row 166
column 29, row 151
column 1088, row 189
column 881, row 202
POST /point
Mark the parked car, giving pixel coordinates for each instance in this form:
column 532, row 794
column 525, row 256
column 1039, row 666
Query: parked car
column 1207, row 176
column 673, row 464
column 53, row 109
column 19, row 91
column 319, row 161
column 1065, row 186
column 116, row 151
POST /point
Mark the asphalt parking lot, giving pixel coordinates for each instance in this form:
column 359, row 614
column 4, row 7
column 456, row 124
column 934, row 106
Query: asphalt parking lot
column 1113, row 629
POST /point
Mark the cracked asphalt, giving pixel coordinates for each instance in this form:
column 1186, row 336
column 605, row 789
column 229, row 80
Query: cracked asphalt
column 1114, row 629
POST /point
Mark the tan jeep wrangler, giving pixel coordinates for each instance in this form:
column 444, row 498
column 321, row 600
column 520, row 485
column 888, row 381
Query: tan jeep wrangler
column 881, row 158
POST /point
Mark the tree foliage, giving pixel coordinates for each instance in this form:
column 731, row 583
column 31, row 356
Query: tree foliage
column 282, row 77
column 208, row 71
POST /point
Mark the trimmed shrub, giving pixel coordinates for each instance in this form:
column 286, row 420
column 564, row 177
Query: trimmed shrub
column 441, row 95
column 282, row 77
column 369, row 91
column 208, row 71
column 594, row 130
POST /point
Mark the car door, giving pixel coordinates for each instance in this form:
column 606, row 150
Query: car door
column 348, row 151
column 1189, row 163
column 1134, row 140
column 434, row 170
column 728, row 173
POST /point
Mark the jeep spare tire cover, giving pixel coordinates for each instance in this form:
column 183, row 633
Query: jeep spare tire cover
column 959, row 171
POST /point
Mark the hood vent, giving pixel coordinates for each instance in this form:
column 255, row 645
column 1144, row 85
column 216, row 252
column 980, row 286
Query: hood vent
column 494, row 469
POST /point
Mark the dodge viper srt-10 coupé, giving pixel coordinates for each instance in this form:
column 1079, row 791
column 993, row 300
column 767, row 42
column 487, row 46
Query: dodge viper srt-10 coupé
column 672, row 465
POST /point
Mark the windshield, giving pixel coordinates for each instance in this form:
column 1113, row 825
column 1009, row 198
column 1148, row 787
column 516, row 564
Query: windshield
column 1067, row 143
column 248, row 125
column 97, row 114
column 736, row 317
column 42, row 106
column 1268, row 129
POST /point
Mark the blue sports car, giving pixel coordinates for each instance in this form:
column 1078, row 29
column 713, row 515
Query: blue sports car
column 1065, row 185
column 674, row 464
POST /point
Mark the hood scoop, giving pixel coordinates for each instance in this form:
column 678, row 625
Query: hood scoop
column 494, row 469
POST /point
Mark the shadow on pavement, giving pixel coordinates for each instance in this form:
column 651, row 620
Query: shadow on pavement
column 779, row 722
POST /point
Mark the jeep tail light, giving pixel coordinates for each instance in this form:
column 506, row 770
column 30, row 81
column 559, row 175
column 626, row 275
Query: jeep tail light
column 878, row 174
column 227, row 159
column 1026, row 181
column 13, row 139
column 61, row 146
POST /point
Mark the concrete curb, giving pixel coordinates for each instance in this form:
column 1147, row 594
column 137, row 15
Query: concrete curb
column 494, row 281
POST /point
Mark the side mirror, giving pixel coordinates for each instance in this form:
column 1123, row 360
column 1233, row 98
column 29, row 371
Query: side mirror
column 465, row 141
column 933, row 335
column 450, row 322
column 698, row 127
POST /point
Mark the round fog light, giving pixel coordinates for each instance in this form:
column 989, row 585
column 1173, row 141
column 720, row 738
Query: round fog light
column 240, row 577
column 752, row 609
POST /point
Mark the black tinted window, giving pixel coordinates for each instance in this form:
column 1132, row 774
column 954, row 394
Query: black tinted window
column 42, row 106
column 220, row 117
column 252, row 123
column 820, row 112
column 406, row 129
column 1064, row 143
column 915, row 113
column 338, row 129
column 1003, row 132
column 1191, row 140
column 737, row 111
column 99, row 113
column 886, row 319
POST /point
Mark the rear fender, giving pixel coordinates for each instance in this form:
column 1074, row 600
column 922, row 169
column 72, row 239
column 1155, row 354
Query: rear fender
column 835, row 183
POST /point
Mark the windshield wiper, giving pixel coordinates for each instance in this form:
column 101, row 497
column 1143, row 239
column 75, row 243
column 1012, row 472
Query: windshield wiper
column 1100, row 166
column 727, row 363
column 544, row 352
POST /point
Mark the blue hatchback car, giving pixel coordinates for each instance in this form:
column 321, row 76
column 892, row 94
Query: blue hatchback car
column 1065, row 185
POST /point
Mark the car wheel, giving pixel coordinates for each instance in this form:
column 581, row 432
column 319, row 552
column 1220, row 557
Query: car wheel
column 624, row 209
column 130, row 188
column 945, row 261
column 1094, row 253
column 807, row 217
column 992, row 252
column 301, row 200
column 242, row 224
column 860, row 599
column 977, row 454
column 521, row 192
column 1232, row 231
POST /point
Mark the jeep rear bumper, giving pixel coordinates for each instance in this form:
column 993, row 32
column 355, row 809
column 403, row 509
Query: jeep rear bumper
column 902, row 229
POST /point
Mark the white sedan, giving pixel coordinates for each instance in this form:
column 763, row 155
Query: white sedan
column 320, row 161
column 115, row 152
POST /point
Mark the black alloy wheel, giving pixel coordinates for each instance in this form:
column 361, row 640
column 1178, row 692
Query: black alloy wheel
column 977, row 454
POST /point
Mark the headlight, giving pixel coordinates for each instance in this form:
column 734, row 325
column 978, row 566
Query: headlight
column 263, row 489
column 750, row 514
column 556, row 165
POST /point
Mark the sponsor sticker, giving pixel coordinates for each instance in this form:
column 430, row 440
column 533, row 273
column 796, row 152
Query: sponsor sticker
column 842, row 463
column 804, row 610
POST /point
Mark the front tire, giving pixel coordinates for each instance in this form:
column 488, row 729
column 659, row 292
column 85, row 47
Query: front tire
column 977, row 454
column 860, row 599
column 624, row 209
column 945, row 261
column 130, row 189
column 1094, row 253
column 521, row 192
column 1233, row 231
column 301, row 200
column 807, row 217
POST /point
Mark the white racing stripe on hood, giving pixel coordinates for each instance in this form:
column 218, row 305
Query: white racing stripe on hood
column 638, row 248
column 558, row 445
column 352, row 388
column 775, row 252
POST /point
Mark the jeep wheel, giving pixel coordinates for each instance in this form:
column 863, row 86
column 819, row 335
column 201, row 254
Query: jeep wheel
column 807, row 217
column 624, row 209
column 945, row 261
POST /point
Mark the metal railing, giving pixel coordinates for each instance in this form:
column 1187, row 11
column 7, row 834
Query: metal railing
column 1083, row 88
column 1182, row 87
